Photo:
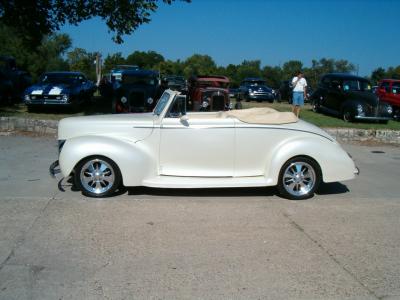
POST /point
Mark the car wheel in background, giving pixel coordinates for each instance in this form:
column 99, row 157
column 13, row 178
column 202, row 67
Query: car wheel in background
column 299, row 178
column 316, row 107
column 347, row 115
column 97, row 176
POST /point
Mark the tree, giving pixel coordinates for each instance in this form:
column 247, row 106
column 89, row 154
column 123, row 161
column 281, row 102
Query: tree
column 198, row 64
column 290, row 68
column 112, row 60
column 145, row 60
column 48, row 56
column 378, row 74
column 34, row 19
column 393, row 72
column 272, row 75
column 82, row 61
column 249, row 68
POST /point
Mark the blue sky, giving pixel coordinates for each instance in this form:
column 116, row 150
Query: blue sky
column 365, row 32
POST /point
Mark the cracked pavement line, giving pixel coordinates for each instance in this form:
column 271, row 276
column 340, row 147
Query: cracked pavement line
column 21, row 239
column 330, row 255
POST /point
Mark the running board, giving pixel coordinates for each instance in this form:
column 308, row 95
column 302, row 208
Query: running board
column 181, row 182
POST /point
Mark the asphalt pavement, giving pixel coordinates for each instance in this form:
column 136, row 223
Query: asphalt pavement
column 197, row 244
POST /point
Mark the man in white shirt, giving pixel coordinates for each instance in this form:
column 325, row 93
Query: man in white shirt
column 299, row 85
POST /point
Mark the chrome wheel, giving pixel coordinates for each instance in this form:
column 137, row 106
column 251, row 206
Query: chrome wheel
column 299, row 178
column 97, row 177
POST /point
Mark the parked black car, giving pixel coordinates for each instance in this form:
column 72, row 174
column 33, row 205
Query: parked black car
column 13, row 81
column 175, row 82
column 255, row 89
column 349, row 97
column 137, row 91
column 62, row 89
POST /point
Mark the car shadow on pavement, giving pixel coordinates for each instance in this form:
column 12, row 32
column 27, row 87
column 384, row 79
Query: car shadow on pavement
column 332, row 188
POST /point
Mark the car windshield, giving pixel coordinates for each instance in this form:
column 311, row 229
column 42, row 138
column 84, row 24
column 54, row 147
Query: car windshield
column 140, row 80
column 255, row 83
column 356, row 85
column 162, row 102
column 60, row 78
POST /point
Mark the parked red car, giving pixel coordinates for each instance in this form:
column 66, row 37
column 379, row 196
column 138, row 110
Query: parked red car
column 208, row 93
column 389, row 91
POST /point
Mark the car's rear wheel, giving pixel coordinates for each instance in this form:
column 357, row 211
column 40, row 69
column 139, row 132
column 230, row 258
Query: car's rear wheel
column 97, row 176
column 299, row 178
column 316, row 107
column 347, row 115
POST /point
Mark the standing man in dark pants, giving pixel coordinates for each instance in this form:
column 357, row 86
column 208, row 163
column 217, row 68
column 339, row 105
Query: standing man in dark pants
column 299, row 85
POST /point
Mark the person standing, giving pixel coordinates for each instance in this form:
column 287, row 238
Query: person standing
column 299, row 85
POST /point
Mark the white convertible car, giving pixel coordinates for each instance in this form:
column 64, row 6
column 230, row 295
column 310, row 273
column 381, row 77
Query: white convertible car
column 173, row 148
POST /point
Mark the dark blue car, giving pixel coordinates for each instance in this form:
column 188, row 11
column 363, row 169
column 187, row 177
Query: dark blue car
column 70, row 89
column 255, row 89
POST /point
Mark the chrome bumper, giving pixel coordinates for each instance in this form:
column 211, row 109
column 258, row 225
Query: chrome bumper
column 54, row 169
column 357, row 171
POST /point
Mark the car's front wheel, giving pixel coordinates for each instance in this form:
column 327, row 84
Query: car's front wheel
column 299, row 178
column 347, row 115
column 97, row 176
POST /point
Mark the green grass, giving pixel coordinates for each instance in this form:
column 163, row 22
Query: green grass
column 103, row 106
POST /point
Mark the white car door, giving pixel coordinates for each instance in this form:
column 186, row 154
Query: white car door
column 201, row 145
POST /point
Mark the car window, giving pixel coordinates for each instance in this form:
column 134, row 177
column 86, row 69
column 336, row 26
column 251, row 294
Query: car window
column 396, row 88
column 385, row 85
column 162, row 102
column 356, row 85
column 178, row 107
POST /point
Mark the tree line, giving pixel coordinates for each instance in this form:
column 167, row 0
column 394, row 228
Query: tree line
column 55, row 53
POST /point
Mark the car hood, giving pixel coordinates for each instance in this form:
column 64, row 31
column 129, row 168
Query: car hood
column 260, row 88
column 368, row 97
column 48, row 89
column 131, row 126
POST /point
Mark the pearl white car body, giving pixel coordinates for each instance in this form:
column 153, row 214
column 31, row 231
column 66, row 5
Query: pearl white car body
column 166, row 149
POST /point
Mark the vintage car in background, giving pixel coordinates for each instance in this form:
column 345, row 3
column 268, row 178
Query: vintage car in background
column 208, row 93
column 175, row 83
column 349, row 97
column 62, row 89
column 255, row 89
column 175, row 148
column 13, row 81
column 116, row 72
column 388, row 91
column 136, row 91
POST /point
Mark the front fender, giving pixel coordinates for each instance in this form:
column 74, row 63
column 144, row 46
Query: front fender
column 335, row 163
column 136, row 161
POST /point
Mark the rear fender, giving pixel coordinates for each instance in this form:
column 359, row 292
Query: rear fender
column 334, row 162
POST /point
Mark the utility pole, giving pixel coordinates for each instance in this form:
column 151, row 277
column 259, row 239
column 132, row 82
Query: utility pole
column 98, row 63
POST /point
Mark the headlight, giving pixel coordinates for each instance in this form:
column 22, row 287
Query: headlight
column 27, row 98
column 150, row 100
column 389, row 109
column 124, row 100
column 65, row 98
column 251, row 93
column 204, row 104
column 360, row 110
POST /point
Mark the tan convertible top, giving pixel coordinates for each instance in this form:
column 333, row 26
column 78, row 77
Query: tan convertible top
column 262, row 115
